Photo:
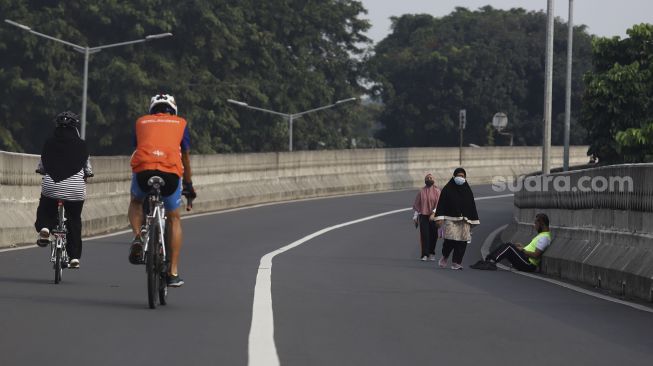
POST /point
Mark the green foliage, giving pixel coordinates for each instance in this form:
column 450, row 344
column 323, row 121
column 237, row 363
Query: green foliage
column 636, row 144
column 618, row 103
column 484, row 61
column 285, row 55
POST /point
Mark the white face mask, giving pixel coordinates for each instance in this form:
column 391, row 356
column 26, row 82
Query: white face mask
column 459, row 180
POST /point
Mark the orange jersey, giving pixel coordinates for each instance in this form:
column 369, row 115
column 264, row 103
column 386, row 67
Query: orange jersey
column 158, row 143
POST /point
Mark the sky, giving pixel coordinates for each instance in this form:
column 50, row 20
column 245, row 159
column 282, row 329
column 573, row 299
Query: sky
column 605, row 18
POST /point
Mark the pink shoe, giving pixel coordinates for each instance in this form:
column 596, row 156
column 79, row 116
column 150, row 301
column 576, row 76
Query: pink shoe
column 456, row 266
column 442, row 262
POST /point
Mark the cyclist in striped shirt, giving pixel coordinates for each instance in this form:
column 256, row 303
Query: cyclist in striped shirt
column 65, row 166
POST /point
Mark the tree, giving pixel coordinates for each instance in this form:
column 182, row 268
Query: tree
column 618, row 105
column 484, row 61
column 287, row 55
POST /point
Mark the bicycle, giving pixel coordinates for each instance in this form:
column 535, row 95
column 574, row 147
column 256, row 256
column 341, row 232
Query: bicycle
column 156, row 246
column 58, row 253
column 155, row 242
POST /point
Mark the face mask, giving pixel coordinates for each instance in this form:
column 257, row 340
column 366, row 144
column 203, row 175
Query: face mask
column 428, row 183
column 459, row 180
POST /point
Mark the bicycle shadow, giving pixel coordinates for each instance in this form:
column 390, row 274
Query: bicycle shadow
column 22, row 280
column 62, row 299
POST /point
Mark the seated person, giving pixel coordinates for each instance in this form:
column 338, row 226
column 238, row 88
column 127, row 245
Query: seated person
column 523, row 258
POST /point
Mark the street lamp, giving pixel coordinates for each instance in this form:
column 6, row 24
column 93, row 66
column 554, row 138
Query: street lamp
column 87, row 51
column 291, row 116
column 570, row 47
column 548, row 87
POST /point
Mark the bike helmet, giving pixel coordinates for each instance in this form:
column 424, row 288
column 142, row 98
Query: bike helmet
column 67, row 119
column 166, row 102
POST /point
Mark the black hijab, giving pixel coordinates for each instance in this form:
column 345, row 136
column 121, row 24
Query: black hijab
column 64, row 154
column 457, row 200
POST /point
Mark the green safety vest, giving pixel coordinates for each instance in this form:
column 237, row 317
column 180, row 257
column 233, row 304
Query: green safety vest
column 531, row 247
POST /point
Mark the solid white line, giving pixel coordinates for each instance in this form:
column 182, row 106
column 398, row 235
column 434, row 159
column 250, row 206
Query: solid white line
column 85, row 240
column 493, row 197
column 581, row 290
column 262, row 349
column 192, row 215
column 485, row 249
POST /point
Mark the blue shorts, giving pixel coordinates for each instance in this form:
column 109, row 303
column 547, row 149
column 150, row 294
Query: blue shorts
column 170, row 202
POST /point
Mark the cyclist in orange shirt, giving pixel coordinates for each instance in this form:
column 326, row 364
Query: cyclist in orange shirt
column 163, row 149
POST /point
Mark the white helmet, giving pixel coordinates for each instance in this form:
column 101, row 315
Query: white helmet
column 169, row 100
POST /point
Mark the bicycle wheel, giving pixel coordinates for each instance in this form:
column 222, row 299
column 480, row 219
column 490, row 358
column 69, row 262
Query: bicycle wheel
column 151, row 266
column 58, row 269
column 163, row 283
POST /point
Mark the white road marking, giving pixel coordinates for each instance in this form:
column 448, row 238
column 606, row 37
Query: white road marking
column 485, row 249
column 193, row 215
column 262, row 349
column 493, row 197
column 190, row 216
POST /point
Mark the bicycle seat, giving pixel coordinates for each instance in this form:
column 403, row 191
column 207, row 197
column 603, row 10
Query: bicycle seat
column 156, row 181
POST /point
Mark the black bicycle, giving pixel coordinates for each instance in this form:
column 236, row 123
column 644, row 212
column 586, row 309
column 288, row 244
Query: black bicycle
column 58, row 254
column 155, row 238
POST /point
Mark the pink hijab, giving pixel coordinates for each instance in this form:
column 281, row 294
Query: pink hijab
column 427, row 198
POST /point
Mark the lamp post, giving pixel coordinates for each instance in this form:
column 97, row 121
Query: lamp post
column 291, row 116
column 87, row 51
column 548, row 91
column 570, row 42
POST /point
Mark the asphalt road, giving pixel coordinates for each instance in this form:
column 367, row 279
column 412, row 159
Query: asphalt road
column 357, row 295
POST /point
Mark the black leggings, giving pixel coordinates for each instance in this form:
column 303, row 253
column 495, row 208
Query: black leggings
column 428, row 235
column 516, row 257
column 46, row 216
column 458, row 248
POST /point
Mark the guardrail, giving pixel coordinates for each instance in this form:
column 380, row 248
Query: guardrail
column 602, row 225
column 234, row 180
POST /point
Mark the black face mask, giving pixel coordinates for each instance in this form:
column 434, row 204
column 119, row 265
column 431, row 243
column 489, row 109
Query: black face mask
column 428, row 183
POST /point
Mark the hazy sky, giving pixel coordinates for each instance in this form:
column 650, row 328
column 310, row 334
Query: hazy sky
column 603, row 17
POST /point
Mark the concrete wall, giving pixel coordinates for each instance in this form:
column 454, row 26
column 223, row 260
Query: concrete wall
column 604, row 239
column 225, row 181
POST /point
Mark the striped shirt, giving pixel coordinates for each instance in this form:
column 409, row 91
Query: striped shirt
column 72, row 188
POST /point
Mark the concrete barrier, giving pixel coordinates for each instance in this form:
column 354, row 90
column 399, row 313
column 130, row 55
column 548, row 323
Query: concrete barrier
column 601, row 238
column 235, row 180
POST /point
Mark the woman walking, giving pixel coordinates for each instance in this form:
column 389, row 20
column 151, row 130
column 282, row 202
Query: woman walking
column 456, row 213
column 425, row 203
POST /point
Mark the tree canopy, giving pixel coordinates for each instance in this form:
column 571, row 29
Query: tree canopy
column 295, row 55
column 484, row 61
column 285, row 55
column 618, row 101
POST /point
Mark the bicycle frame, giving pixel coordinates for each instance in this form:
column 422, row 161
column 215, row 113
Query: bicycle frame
column 156, row 216
column 58, row 253
column 153, row 234
column 59, row 242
